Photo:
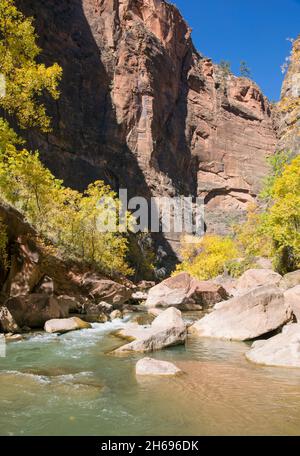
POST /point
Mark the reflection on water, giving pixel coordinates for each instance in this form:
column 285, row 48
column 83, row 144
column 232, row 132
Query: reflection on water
column 67, row 385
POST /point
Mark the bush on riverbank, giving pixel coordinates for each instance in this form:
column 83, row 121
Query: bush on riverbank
column 273, row 233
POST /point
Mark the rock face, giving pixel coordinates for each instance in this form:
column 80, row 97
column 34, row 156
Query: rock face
column 253, row 278
column 64, row 325
column 290, row 280
column 288, row 116
column 33, row 310
column 143, row 110
column 292, row 299
column 149, row 366
column 282, row 350
column 106, row 290
column 167, row 329
column 245, row 317
column 185, row 293
column 7, row 322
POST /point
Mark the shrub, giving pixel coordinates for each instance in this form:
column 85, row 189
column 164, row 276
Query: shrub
column 207, row 258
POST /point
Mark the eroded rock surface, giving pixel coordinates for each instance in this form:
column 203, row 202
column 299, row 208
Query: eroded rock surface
column 245, row 317
column 282, row 350
column 185, row 293
column 143, row 110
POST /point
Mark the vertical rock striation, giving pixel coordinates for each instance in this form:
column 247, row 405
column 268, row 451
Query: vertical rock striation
column 142, row 109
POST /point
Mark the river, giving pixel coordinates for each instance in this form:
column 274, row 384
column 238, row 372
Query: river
column 72, row 385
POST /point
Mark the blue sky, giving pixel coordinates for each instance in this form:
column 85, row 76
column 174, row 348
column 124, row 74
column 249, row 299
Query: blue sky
column 252, row 30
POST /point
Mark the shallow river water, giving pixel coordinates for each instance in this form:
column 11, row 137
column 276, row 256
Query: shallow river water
column 72, row 385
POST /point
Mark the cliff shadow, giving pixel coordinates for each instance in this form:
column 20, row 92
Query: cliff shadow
column 86, row 143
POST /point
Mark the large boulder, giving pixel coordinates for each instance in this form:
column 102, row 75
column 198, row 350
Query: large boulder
column 290, row 280
column 45, row 286
column 185, row 293
column 64, row 325
column 282, row 350
column 106, row 290
column 33, row 310
column 292, row 299
column 255, row 278
column 97, row 312
column 149, row 366
column 166, row 330
column 68, row 304
column 25, row 268
column 115, row 314
column 7, row 322
column 245, row 317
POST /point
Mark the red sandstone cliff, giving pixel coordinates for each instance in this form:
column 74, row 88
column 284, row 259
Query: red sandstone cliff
column 141, row 108
column 288, row 115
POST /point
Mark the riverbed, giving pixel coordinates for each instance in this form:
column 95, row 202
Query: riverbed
column 72, row 385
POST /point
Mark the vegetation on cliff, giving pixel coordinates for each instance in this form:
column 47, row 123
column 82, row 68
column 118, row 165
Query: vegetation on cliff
column 273, row 233
column 64, row 216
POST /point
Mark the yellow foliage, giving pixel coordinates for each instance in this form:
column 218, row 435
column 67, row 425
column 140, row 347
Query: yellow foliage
column 282, row 220
column 250, row 236
column 25, row 79
column 67, row 217
column 207, row 258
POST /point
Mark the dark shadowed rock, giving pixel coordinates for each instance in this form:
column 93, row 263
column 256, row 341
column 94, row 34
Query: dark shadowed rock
column 106, row 290
column 33, row 310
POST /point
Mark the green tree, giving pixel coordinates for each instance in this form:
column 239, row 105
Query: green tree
column 225, row 67
column 245, row 71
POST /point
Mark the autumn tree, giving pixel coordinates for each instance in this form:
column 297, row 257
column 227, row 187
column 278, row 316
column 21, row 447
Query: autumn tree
column 25, row 79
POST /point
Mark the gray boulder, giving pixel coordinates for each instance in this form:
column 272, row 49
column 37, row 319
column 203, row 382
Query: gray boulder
column 149, row 366
column 290, row 280
column 292, row 299
column 185, row 293
column 245, row 317
column 282, row 350
column 254, row 278
column 64, row 325
column 166, row 330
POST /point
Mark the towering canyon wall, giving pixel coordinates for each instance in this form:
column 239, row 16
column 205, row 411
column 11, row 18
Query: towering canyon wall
column 142, row 109
column 288, row 117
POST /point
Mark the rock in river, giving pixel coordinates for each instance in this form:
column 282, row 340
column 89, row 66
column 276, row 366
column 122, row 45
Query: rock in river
column 149, row 366
column 64, row 325
column 166, row 330
column 282, row 350
column 185, row 293
column 245, row 317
